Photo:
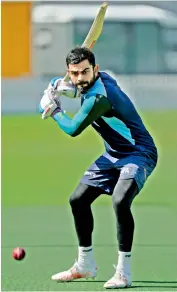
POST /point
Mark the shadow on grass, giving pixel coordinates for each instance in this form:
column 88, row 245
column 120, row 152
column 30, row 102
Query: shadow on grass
column 154, row 284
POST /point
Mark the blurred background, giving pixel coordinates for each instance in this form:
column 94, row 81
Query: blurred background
column 138, row 45
column 41, row 166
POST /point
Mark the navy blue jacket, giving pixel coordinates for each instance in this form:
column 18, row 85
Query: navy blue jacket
column 113, row 115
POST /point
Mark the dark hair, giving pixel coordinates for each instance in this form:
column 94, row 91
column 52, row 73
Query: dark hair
column 79, row 54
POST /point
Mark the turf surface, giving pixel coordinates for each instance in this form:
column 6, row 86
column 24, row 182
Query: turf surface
column 40, row 168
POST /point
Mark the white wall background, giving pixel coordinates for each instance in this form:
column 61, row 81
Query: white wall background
column 22, row 95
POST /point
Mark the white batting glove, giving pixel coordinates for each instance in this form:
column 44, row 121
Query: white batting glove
column 67, row 89
column 51, row 98
column 49, row 103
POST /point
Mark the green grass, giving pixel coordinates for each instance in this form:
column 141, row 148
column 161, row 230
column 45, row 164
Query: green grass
column 41, row 166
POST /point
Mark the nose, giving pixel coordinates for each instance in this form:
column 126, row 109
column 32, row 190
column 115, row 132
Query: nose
column 80, row 77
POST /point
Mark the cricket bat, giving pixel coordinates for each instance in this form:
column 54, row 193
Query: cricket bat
column 94, row 31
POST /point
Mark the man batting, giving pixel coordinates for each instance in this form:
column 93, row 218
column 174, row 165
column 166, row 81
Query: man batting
column 130, row 157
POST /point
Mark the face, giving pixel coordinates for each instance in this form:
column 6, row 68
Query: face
column 83, row 75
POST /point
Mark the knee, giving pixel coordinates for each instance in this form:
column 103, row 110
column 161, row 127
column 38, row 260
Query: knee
column 124, row 193
column 119, row 203
column 74, row 200
column 82, row 197
column 77, row 198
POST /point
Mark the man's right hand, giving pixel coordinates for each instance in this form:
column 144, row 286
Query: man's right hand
column 67, row 89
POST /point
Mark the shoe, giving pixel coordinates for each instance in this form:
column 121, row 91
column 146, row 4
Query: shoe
column 119, row 280
column 74, row 274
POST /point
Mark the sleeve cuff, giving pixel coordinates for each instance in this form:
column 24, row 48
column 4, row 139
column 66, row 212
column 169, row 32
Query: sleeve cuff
column 56, row 111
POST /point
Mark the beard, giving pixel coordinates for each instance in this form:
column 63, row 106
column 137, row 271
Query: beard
column 84, row 86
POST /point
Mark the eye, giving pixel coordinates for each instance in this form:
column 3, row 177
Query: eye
column 84, row 72
column 75, row 73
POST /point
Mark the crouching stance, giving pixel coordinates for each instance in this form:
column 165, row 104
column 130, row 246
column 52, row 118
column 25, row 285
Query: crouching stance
column 120, row 172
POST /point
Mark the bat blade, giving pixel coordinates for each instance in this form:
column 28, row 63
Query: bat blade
column 96, row 27
column 94, row 31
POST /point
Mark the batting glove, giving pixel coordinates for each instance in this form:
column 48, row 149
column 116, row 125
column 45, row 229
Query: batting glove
column 49, row 104
column 67, row 89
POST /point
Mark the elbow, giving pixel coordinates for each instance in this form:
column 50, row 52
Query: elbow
column 75, row 133
column 71, row 131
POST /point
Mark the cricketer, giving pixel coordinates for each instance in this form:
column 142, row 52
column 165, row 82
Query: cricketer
column 130, row 157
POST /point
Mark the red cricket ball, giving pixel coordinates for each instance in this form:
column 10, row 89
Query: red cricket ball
column 18, row 253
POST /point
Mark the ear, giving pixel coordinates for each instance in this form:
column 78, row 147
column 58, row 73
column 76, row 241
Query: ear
column 96, row 69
